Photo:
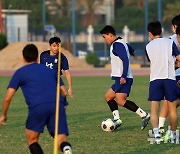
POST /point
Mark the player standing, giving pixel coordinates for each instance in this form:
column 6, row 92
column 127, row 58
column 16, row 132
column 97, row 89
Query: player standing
column 164, row 110
column 161, row 53
column 38, row 84
column 122, row 76
column 50, row 59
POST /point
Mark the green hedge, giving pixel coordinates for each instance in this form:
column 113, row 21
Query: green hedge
column 3, row 41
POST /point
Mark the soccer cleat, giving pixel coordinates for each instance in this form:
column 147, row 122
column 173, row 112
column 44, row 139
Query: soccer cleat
column 117, row 123
column 166, row 138
column 68, row 151
column 145, row 121
column 158, row 139
column 161, row 131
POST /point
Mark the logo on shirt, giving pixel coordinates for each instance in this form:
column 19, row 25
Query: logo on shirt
column 55, row 60
column 50, row 65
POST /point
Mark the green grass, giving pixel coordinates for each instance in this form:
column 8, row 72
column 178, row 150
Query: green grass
column 85, row 113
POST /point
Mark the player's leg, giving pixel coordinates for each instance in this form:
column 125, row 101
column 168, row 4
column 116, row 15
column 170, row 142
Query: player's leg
column 172, row 118
column 64, row 146
column 178, row 103
column 35, row 124
column 109, row 97
column 162, row 116
column 32, row 138
column 171, row 96
column 154, row 119
column 62, row 129
column 121, row 97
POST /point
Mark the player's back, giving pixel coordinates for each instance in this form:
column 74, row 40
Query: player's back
column 160, row 55
column 38, row 84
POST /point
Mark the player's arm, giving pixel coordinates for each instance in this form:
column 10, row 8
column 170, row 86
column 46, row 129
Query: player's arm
column 69, row 82
column 120, row 51
column 5, row 105
column 131, row 50
column 147, row 55
column 176, row 53
column 65, row 67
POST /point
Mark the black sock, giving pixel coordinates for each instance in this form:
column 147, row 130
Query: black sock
column 130, row 106
column 35, row 148
column 65, row 145
column 112, row 105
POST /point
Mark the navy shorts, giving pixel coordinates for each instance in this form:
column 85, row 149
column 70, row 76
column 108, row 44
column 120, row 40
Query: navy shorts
column 177, row 88
column 162, row 89
column 44, row 115
column 122, row 88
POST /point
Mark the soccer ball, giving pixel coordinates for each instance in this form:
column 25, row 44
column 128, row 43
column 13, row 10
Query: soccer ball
column 107, row 125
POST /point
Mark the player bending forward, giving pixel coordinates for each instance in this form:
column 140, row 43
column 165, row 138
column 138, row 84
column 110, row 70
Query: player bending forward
column 122, row 76
column 38, row 84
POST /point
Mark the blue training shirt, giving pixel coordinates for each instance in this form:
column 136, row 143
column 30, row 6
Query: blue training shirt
column 52, row 61
column 38, row 84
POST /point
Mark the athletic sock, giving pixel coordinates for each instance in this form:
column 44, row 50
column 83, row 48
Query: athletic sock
column 141, row 112
column 116, row 114
column 35, row 148
column 130, row 106
column 161, row 121
column 65, row 146
column 114, row 109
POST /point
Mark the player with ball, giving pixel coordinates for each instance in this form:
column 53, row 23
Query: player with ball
column 122, row 76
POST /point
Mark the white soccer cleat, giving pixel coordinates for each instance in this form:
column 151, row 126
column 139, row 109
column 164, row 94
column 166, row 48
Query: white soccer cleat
column 117, row 123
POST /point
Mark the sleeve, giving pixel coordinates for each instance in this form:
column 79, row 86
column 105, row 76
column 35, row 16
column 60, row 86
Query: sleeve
column 15, row 81
column 131, row 50
column 64, row 62
column 147, row 55
column 120, row 51
column 175, row 50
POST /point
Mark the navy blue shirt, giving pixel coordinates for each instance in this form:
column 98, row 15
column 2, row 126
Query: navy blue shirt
column 38, row 84
column 52, row 61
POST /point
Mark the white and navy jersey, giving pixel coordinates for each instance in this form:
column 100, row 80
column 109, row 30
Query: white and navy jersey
column 174, row 38
column 160, row 52
column 52, row 61
column 120, row 63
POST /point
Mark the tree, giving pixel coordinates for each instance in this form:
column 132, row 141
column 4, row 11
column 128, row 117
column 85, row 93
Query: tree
column 89, row 7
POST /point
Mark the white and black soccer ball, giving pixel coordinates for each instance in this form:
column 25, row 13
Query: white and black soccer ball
column 107, row 125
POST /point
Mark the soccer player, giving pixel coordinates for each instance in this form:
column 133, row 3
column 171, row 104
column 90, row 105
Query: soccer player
column 38, row 84
column 50, row 59
column 122, row 76
column 164, row 110
column 161, row 53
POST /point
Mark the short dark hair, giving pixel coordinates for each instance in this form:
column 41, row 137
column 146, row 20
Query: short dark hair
column 54, row 39
column 108, row 29
column 155, row 28
column 178, row 30
column 176, row 20
column 30, row 53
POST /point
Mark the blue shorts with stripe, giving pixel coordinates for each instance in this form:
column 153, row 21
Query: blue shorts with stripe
column 178, row 88
column 122, row 88
column 161, row 89
column 44, row 115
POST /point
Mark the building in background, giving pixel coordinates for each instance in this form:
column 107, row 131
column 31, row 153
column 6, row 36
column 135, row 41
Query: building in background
column 15, row 23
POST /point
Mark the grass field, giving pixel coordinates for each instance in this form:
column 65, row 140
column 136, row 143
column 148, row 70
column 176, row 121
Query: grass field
column 85, row 113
